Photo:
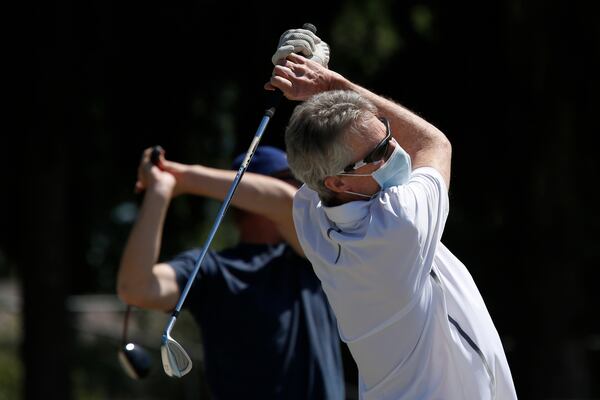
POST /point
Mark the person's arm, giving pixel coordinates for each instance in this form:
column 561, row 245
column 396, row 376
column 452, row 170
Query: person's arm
column 259, row 194
column 299, row 78
column 140, row 280
column 426, row 145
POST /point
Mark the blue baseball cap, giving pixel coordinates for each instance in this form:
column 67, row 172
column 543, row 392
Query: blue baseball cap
column 267, row 160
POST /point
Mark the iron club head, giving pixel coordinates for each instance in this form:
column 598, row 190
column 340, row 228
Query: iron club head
column 176, row 361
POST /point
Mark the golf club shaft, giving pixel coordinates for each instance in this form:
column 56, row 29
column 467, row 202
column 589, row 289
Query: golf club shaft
column 261, row 128
column 269, row 112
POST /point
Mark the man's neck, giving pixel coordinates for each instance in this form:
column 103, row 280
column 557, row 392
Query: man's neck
column 258, row 230
column 343, row 198
column 260, row 239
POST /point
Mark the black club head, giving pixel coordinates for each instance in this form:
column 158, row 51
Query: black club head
column 135, row 360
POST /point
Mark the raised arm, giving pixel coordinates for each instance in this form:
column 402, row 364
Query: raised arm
column 259, row 194
column 141, row 281
column 299, row 78
column 426, row 145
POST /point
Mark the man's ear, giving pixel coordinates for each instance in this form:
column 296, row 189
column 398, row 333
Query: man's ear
column 336, row 184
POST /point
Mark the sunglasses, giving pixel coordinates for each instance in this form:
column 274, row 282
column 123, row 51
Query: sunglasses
column 377, row 153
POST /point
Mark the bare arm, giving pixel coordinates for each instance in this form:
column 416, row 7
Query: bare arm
column 426, row 145
column 140, row 280
column 300, row 78
column 259, row 194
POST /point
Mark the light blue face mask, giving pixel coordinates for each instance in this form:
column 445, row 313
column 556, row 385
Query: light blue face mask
column 394, row 172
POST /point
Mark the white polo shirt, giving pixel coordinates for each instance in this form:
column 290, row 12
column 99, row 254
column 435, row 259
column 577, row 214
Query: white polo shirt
column 409, row 310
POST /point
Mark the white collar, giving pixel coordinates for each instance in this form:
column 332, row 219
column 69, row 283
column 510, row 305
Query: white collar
column 348, row 213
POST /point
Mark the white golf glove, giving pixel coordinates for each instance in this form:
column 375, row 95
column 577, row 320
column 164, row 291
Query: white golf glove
column 302, row 41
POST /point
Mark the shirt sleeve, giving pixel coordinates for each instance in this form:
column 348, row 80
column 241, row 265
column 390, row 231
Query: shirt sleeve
column 183, row 264
column 427, row 204
column 424, row 203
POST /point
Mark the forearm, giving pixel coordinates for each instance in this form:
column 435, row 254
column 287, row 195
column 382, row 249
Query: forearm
column 263, row 195
column 426, row 145
column 143, row 246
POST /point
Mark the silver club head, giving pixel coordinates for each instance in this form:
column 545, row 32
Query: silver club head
column 176, row 362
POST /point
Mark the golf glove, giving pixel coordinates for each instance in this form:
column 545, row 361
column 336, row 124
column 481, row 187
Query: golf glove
column 302, row 41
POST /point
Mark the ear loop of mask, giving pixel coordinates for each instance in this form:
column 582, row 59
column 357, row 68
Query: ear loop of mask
column 363, row 195
column 367, row 196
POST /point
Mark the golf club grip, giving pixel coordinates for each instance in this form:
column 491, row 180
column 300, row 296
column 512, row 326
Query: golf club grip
column 310, row 27
column 155, row 155
column 277, row 95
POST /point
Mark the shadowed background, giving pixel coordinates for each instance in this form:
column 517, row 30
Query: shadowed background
column 513, row 85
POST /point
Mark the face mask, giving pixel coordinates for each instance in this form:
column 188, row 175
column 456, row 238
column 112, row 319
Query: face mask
column 394, row 172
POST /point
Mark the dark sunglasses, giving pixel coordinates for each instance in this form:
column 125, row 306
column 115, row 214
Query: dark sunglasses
column 378, row 152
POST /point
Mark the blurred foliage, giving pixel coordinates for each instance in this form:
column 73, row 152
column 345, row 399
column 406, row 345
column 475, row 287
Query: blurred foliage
column 11, row 370
column 364, row 36
column 4, row 266
column 96, row 372
column 423, row 20
column 11, row 367
column 513, row 84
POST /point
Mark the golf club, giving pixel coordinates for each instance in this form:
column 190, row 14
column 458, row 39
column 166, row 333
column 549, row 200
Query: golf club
column 176, row 362
column 133, row 358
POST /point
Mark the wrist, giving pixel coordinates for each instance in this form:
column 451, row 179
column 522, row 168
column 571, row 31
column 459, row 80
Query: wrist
column 338, row 82
column 185, row 177
column 181, row 174
column 161, row 189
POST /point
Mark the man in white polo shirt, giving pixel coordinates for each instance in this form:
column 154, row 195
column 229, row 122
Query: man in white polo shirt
column 370, row 218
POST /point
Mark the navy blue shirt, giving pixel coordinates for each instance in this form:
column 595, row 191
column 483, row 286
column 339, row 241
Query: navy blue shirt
column 267, row 329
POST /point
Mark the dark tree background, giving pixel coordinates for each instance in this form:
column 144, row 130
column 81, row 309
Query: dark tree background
column 513, row 84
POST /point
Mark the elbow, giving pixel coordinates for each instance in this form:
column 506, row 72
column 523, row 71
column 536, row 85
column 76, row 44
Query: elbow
column 446, row 151
column 442, row 145
column 138, row 289
column 127, row 290
column 437, row 144
column 129, row 296
column 446, row 147
column 442, row 141
column 124, row 292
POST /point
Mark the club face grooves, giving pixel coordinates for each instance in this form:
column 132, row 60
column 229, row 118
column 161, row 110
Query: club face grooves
column 176, row 361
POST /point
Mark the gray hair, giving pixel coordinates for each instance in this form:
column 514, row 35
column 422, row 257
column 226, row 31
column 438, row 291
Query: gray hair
column 315, row 138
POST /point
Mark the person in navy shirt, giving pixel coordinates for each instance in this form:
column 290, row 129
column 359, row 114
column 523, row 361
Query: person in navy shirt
column 268, row 331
